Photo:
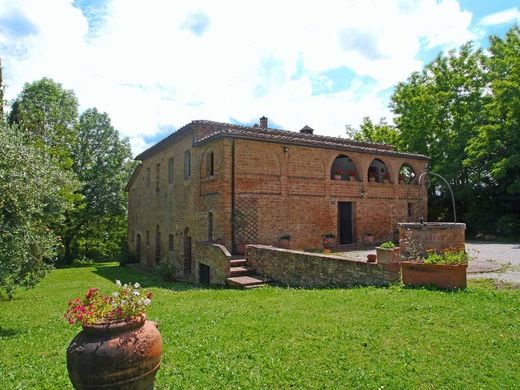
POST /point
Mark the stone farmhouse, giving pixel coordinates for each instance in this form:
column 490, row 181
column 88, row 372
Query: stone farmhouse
column 214, row 183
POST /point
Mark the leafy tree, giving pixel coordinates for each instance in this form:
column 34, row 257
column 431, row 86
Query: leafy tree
column 438, row 111
column 381, row 132
column 47, row 113
column 102, row 162
column 33, row 198
column 496, row 146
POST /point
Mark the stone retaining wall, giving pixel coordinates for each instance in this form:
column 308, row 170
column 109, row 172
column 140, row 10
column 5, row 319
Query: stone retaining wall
column 215, row 256
column 296, row 268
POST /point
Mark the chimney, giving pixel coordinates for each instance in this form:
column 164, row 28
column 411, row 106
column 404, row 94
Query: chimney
column 263, row 122
column 307, row 130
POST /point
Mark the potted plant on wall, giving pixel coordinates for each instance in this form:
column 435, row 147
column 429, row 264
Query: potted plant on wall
column 337, row 174
column 386, row 178
column 285, row 241
column 387, row 253
column 328, row 240
column 352, row 175
column 368, row 238
column 118, row 347
column 446, row 270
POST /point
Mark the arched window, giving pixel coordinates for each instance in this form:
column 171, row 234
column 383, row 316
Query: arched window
column 406, row 174
column 343, row 168
column 157, row 244
column 378, row 172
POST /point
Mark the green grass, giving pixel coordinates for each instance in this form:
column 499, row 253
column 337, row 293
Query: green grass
column 362, row 338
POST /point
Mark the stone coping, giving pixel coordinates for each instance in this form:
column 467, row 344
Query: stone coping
column 432, row 226
column 311, row 254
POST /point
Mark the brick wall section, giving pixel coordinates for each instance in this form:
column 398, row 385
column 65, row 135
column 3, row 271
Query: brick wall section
column 296, row 268
column 294, row 193
column 216, row 257
column 437, row 236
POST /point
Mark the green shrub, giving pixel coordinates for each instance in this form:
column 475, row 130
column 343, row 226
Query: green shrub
column 166, row 270
column 82, row 262
column 448, row 257
column 387, row 245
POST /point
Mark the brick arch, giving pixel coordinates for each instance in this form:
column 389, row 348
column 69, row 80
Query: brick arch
column 346, row 166
column 355, row 159
column 302, row 163
column 203, row 166
column 407, row 174
column 380, row 169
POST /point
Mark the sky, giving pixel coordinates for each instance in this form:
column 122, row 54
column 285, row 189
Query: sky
column 156, row 65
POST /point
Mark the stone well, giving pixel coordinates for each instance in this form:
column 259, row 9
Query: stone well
column 437, row 236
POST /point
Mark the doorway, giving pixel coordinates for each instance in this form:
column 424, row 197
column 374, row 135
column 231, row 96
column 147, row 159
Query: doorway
column 138, row 247
column 203, row 274
column 345, row 223
column 187, row 252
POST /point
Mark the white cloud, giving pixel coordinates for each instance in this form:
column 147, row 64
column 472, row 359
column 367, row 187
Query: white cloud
column 166, row 63
column 502, row 17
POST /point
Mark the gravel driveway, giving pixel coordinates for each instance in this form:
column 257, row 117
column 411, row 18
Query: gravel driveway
column 500, row 262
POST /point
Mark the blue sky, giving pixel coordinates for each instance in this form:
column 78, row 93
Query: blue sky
column 157, row 65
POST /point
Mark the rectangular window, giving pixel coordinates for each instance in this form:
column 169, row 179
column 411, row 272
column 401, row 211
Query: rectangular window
column 187, row 164
column 210, row 226
column 170, row 242
column 170, row 170
column 157, row 176
column 147, row 237
column 410, row 209
column 210, row 164
column 148, row 177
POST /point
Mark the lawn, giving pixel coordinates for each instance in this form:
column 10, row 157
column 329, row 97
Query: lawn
column 366, row 338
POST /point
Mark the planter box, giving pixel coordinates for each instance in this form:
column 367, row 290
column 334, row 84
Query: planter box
column 337, row 177
column 438, row 275
column 387, row 255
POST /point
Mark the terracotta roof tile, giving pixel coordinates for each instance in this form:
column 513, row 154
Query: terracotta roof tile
column 219, row 129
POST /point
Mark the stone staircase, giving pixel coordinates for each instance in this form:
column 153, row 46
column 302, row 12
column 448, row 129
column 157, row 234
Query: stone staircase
column 241, row 276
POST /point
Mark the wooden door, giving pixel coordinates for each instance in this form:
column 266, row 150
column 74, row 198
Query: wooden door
column 345, row 222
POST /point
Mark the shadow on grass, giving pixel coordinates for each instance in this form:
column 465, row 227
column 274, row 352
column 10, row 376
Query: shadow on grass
column 114, row 272
column 7, row 332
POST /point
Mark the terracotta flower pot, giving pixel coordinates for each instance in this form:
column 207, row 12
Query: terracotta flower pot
column 115, row 355
column 328, row 242
column 371, row 258
column 438, row 275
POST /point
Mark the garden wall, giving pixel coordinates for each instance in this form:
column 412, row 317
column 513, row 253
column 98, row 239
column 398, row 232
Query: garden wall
column 437, row 236
column 296, row 268
column 216, row 257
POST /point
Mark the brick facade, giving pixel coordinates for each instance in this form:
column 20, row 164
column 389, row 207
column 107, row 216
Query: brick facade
column 264, row 184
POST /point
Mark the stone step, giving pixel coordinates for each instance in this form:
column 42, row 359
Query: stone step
column 240, row 270
column 246, row 281
column 237, row 262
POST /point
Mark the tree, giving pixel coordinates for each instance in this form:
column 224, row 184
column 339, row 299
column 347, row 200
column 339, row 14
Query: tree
column 381, row 132
column 102, row 163
column 496, row 146
column 47, row 113
column 33, row 199
column 438, row 111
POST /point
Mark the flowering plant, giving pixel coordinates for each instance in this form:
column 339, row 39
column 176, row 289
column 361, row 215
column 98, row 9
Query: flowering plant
column 126, row 303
